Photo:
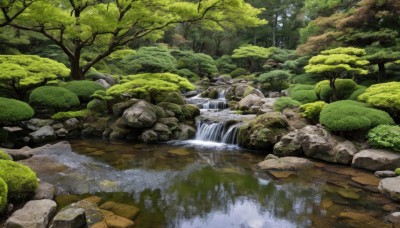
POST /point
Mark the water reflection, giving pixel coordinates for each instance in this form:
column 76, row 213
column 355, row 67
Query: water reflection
column 181, row 186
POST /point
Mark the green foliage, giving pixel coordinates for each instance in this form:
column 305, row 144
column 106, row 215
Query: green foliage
column 57, row 98
column 98, row 105
column 348, row 115
column 175, row 98
column 68, row 115
column 344, row 89
column 199, row 63
column 302, row 93
column 20, row 179
column 357, row 92
column 238, row 72
column 3, row 195
column 305, row 79
column 385, row 136
column 21, row 72
column 397, row 171
column 190, row 111
column 285, row 102
column 83, row 89
column 182, row 83
column 4, row 156
column 383, row 95
column 14, row 110
column 186, row 73
column 225, row 64
column 311, row 111
column 276, row 80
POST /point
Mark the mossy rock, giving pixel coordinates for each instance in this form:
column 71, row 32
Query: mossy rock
column 97, row 105
column 176, row 109
column 4, row 156
column 14, row 110
column 264, row 131
column 160, row 112
column 174, row 98
column 20, row 179
column 3, row 195
column 190, row 111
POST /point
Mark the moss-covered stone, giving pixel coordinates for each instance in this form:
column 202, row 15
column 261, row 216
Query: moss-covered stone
column 176, row 109
column 190, row 111
column 21, row 180
column 175, row 98
column 264, row 131
column 4, row 156
column 3, row 195
column 97, row 105
column 83, row 89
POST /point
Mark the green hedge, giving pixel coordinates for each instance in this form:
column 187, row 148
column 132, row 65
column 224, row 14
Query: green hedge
column 83, row 89
column 348, row 115
column 385, row 136
column 3, row 195
column 311, row 111
column 285, row 102
column 302, row 93
column 238, row 72
column 21, row 180
column 14, row 110
column 53, row 97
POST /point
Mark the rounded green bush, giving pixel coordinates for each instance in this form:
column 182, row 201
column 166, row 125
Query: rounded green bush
column 21, row 180
column 348, row 115
column 385, row 136
column 357, row 92
column 304, row 96
column 238, row 72
column 285, row 102
column 306, row 79
column 344, row 89
column 383, row 95
column 4, row 156
column 83, row 89
column 311, row 111
column 3, row 195
column 14, row 110
column 53, row 97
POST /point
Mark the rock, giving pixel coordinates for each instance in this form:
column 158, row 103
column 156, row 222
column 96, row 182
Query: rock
column 140, row 115
column 375, row 159
column 317, row 143
column 116, row 221
column 120, row 209
column 190, row 111
column 263, row 132
column 34, row 214
column 71, row 124
column 44, row 134
column 282, row 174
column 149, row 136
column 268, row 105
column 19, row 154
column 361, row 220
column 179, row 152
column 191, row 94
column 92, row 212
column 385, row 173
column 176, row 109
column 274, row 94
column 175, row 98
column 185, row 132
column 250, row 100
column 366, row 180
column 97, row 105
column 103, row 83
column 289, row 145
column 348, row 194
column 69, row 218
column 57, row 126
column 272, row 162
column 119, row 108
column 44, row 191
column 62, row 133
column 162, row 131
column 35, row 124
column 13, row 129
column 36, row 164
column 344, row 152
column 394, row 218
column 390, row 187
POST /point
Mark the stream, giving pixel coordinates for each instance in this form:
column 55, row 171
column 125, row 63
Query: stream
column 210, row 182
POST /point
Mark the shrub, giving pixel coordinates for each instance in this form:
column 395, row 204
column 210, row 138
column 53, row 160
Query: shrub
column 344, row 89
column 14, row 110
column 181, row 82
column 84, row 89
column 385, row 136
column 188, row 74
column 311, row 111
column 225, row 64
column 4, row 156
column 303, row 93
column 384, row 95
column 285, row 102
column 175, row 98
column 57, row 98
column 238, row 72
column 397, row 171
column 275, row 80
column 21, row 180
column 357, row 92
column 3, row 195
column 69, row 115
column 306, row 79
column 348, row 115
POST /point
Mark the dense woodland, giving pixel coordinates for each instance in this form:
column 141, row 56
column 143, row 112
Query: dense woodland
column 337, row 60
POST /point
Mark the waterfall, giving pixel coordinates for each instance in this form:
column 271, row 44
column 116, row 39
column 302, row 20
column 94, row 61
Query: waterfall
column 217, row 132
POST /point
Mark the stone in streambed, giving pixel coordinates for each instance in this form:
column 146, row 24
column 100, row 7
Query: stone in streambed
column 70, row 218
column 385, row 173
column 390, row 187
column 366, row 180
column 376, row 159
column 124, row 210
column 44, row 191
column 272, row 162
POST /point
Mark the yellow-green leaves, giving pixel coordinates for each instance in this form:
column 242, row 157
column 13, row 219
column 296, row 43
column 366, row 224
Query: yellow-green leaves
column 384, row 95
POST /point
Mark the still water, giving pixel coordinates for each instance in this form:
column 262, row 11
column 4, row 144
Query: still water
column 196, row 185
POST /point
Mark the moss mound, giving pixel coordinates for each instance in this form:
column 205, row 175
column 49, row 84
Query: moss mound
column 21, row 180
column 348, row 115
column 311, row 111
column 190, row 111
column 174, row 98
column 14, row 110
column 83, row 89
column 57, row 98
column 3, row 195
column 285, row 102
column 5, row 156
column 303, row 93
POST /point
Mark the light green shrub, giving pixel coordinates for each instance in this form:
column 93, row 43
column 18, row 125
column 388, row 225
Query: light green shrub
column 57, row 98
column 14, row 110
column 385, row 136
column 238, row 72
column 275, row 80
column 311, row 111
column 383, row 95
column 68, row 115
column 302, row 93
column 83, row 89
column 285, row 102
column 3, row 195
column 344, row 89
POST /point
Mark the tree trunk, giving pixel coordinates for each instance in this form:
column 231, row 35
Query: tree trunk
column 76, row 69
column 382, row 71
column 333, row 87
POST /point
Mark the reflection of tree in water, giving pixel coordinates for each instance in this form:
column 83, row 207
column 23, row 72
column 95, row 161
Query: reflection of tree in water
column 206, row 191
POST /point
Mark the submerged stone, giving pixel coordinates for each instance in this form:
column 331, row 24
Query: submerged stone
column 120, row 209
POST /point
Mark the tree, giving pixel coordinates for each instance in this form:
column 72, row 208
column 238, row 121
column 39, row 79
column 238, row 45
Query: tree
column 253, row 56
column 21, row 73
column 199, row 63
column 275, row 80
column 337, row 63
column 101, row 29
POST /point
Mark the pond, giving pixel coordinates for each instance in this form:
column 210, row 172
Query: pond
column 197, row 185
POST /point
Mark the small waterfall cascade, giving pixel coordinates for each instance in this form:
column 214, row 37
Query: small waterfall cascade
column 224, row 132
column 207, row 103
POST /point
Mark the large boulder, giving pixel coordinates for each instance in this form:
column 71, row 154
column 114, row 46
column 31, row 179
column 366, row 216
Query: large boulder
column 44, row 191
column 149, row 136
column 272, row 162
column 263, row 132
column 70, row 217
column 175, row 98
column 375, row 159
column 184, row 132
column 241, row 90
column 140, row 115
column 35, row 123
column 44, row 134
column 34, row 214
column 249, row 101
column 316, row 142
column 390, row 187
column 119, row 108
